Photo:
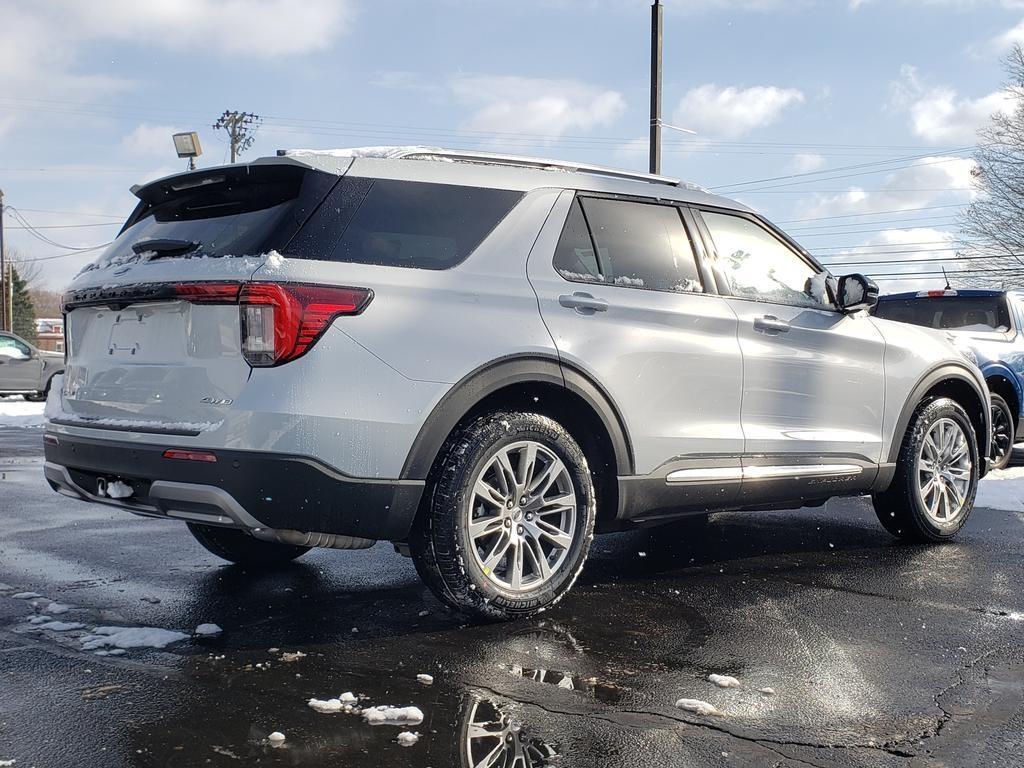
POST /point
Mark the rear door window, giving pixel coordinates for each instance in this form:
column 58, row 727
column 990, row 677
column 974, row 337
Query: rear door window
column 402, row 223
column 638, row 245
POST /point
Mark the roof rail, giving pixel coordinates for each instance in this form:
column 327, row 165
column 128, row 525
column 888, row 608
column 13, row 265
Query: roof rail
column 537, row 162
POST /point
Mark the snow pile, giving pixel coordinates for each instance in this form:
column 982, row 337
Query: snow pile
column 276, row 737
column 697, row 706
column 208, row 630
column 383, row 152
column 131, row 637
column 61, row 626
column 143, row 425
column 1002, row 489
column 346, row 702
column 425, row 679
column 387, row 715
column 56, row 608
column 724, row 681
column 766, row 691
column 19, row 413
column 25, row 596
column 117, row 490
column 408, row 738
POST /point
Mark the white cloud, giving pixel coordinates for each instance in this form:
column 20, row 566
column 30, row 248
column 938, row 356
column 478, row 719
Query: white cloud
column 955, row 4
column 507, row 104
column 731, row 112
column 1011, row 37
column 806, row 162
column 148, row 140
column 249, row 28
column 938, row 114
column 917, row 186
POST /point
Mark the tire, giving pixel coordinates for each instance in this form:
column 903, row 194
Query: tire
column 239, row 547
column 902, row 508
column 1004, row 425
column 38, row 397
column 476, row 572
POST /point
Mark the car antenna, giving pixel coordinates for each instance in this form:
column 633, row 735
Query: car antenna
column 948, row 286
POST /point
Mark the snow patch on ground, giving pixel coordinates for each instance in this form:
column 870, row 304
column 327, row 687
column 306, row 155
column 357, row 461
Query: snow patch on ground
column 408, row 738
column 56, row 608
column 1002, row 489
column 61, row 626
column 25, row 596
column 425, row 679
column 697, row 706
column 131, row 637
column 208, row 630
column 724, row 681
column 20, row 413
column 387, row 715
column 276, row 737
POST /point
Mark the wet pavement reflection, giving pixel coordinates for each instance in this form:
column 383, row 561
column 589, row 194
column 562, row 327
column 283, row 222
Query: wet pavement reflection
column 847, row 649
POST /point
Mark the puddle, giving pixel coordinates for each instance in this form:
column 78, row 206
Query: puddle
column 601, row 690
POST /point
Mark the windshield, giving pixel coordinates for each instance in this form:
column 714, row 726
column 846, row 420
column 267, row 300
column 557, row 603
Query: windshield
column 951, row 313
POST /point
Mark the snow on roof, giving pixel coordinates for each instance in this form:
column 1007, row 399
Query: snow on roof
column 385, row 152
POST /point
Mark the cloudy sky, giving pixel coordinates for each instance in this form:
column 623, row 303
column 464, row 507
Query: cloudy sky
column 851, row 122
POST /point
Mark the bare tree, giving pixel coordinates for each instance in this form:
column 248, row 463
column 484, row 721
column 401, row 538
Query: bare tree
column 996, row 218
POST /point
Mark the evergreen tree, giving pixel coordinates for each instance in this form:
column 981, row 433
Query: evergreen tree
column 24, row 309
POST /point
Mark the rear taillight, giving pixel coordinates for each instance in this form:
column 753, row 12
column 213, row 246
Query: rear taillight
column 281, row 321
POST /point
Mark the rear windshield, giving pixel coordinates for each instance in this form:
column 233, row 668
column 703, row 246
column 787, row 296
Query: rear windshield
column 238, row 211
column 953, row 313
column 401, row 223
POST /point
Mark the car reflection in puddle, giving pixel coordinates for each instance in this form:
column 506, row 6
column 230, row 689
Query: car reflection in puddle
column 493, row 739
column 601, row 690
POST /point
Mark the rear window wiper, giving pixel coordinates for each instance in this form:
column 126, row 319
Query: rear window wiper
column 165, row 247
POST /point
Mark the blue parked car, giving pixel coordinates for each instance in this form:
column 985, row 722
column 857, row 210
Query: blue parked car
column 991, row 324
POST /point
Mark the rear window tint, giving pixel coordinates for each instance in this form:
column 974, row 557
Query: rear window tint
column 955, row 313
column 239, row 211
column 639, row 245
column 401, row 223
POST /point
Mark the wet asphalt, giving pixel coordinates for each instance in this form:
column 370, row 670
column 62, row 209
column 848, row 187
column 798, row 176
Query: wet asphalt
column 879, row 654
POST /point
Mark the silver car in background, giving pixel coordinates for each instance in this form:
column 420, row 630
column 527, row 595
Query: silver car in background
column 485, row 359
column 25, row 369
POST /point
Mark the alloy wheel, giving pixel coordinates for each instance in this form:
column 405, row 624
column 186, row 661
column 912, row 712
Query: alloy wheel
column 522, row 516
column 944, row 471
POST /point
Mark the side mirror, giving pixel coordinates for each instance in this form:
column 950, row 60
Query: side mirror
column 856, row 292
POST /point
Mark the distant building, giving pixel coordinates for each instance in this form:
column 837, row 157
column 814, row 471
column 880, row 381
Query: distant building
column 50, row 333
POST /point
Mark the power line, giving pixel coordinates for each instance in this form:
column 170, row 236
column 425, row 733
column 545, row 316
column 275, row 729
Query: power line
column 121, row 217
column 818, row 177
column 872, row 213
column 72, row 226
column 39, row 236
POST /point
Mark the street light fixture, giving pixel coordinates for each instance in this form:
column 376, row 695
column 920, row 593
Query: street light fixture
column 187, row 145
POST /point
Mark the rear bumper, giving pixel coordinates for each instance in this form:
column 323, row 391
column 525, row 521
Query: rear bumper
column 252, row 490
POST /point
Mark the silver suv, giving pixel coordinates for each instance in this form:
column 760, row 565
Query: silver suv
column 486, row 359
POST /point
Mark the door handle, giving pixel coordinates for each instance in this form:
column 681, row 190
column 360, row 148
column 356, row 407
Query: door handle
column 583, row 303
column 770, row 324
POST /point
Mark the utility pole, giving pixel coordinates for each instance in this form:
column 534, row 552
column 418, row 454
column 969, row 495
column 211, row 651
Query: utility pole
column 656, row 40
column 3, row 270
column 241, row 129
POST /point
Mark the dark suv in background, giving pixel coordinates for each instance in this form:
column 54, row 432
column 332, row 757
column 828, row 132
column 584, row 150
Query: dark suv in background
column 988, row 323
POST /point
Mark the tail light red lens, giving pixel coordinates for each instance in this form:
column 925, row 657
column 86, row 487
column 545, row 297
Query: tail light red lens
column 281, row 321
